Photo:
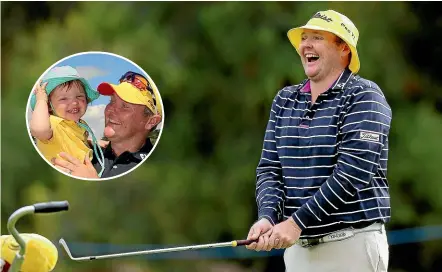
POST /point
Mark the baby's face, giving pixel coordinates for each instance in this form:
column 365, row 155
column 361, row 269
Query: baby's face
column 69, row 103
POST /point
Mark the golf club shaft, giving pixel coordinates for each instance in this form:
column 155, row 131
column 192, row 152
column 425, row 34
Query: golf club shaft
column 156, row 251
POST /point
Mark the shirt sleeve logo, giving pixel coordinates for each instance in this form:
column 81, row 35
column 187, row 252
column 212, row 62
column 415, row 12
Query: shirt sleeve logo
column 370, row 136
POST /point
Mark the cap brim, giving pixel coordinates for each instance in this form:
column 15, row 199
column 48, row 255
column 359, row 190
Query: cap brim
column 125, row 91
column 105, row 89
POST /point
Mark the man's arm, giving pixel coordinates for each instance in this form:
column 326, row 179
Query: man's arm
column 364, row 129
column 269, row 186
column 40, row 125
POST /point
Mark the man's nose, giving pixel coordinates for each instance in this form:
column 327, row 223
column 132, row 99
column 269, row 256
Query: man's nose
column 109, row 108
column 305, row 44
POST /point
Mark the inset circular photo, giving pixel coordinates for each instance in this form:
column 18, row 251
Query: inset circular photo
column 95, row 116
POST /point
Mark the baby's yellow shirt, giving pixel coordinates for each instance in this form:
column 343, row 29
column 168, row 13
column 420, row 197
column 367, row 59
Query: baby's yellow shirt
column 67, row 136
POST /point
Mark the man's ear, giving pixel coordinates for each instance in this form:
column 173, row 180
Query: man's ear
column 345, row 50
column 152, row 122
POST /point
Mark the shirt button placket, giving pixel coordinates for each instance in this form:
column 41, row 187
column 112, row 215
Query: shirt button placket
column 304, row 125
column 305, row 121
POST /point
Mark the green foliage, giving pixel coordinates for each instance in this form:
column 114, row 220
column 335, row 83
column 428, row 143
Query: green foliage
column 218, row 66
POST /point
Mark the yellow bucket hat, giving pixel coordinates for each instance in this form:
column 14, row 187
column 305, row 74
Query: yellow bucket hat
column 333, row 22
column 132, row 94
column 41, row 254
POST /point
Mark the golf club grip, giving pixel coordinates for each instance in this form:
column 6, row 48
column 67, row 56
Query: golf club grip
column 245, row 242
column 51, row 207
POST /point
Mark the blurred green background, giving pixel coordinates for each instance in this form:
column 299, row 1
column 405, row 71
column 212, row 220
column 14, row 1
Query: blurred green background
column 218, row 66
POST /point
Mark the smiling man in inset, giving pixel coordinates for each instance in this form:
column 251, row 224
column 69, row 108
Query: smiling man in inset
column 131, row 115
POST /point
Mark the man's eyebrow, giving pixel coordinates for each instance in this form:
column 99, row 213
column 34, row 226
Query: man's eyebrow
column 313, row 32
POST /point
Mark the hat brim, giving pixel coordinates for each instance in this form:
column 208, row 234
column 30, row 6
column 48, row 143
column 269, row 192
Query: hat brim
column 105, row 89
column 127, row 92
column 53, row 83
column 294, row 36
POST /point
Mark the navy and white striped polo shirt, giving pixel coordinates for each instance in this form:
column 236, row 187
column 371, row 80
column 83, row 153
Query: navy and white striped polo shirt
column 326, row 164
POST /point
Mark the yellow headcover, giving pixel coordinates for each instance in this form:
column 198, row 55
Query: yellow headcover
column 41, row 254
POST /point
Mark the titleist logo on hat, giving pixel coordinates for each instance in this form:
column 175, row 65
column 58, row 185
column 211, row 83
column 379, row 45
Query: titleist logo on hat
column 369, row 136
column 323, row 17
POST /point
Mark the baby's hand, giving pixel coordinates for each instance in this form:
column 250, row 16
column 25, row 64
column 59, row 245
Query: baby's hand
column 40, row 92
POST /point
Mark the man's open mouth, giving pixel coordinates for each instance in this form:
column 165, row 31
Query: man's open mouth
column 113, row 122
column 311, row 57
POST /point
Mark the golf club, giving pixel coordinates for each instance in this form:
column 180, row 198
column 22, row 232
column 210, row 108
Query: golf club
column 234, row 243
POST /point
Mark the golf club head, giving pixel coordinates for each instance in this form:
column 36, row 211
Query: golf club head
column 66, row 248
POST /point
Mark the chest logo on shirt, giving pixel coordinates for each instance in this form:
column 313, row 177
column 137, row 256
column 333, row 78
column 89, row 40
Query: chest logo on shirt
column 369, row 136
column 143, row 156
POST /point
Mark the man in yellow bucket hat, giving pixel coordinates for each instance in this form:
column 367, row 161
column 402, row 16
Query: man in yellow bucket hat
column 321, row 185
column 134, row 111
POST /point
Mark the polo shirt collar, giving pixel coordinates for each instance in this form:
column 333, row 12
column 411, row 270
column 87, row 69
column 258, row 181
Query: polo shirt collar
column 342, row 80
column 137, row 155
column 339, row 84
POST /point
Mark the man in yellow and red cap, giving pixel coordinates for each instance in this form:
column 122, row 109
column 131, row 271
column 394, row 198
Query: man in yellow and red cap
column 134, row 111
column 321, row 185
